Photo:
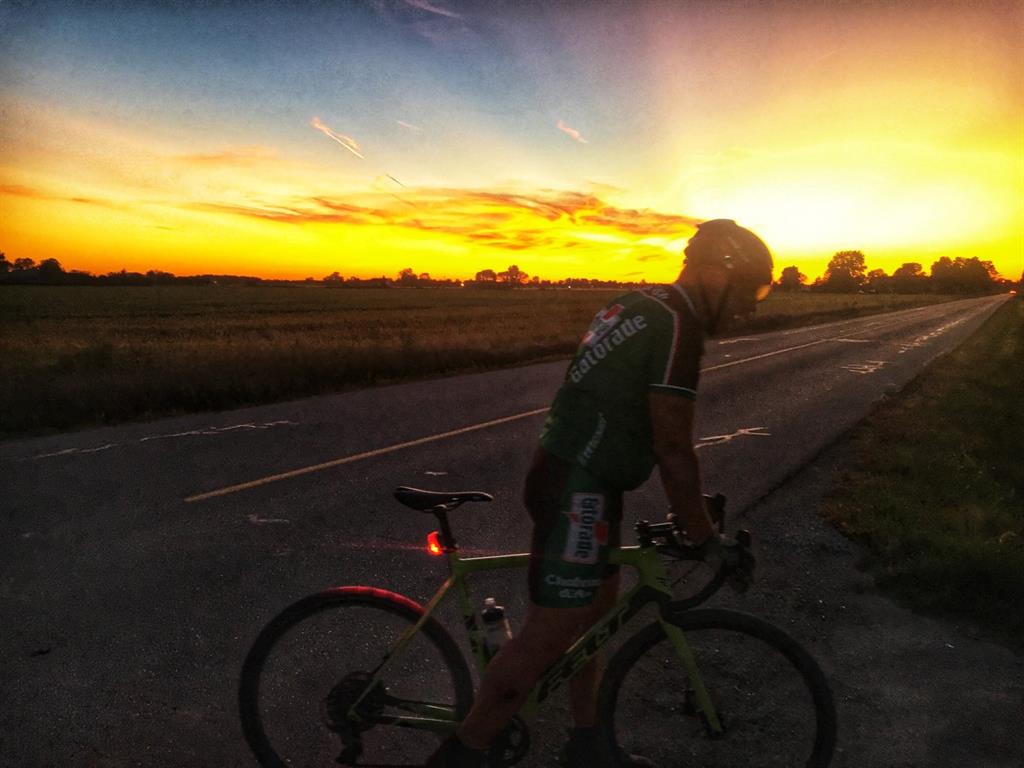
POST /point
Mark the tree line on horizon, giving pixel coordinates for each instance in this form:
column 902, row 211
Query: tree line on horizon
column 846, row 273
column 24, row 271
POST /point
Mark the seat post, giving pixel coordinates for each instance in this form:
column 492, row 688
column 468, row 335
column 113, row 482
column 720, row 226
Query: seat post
column 441, row 512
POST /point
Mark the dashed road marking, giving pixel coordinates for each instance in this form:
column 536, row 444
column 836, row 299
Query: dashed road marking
column 868, row 366
column 742, row 432
column 205, row 431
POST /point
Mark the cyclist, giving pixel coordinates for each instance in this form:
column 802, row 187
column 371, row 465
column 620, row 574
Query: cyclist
column 626, row 405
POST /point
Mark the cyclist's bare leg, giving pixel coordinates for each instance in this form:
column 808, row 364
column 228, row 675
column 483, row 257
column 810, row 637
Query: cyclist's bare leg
column 583, row 687
column 510, row 677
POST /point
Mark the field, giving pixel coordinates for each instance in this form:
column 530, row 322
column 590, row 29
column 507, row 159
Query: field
column 936, row 485
column 79, row 356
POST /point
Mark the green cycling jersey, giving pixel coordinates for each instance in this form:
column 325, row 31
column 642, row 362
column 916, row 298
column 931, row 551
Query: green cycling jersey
column 649, row 340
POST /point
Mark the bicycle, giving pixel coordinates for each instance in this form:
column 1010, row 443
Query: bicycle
column 696, row 687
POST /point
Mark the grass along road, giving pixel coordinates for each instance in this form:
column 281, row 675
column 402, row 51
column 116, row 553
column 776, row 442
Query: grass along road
column 936, row 490
column 80, row 356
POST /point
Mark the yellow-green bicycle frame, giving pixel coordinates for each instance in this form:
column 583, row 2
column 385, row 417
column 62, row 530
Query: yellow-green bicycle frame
column 653, row 586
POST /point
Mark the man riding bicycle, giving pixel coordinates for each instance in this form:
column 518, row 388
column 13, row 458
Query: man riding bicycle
column 626, row 405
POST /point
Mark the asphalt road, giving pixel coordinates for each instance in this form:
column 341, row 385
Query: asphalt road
column 137, row 563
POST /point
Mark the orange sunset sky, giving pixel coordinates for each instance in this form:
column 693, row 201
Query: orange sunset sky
column 298, row 139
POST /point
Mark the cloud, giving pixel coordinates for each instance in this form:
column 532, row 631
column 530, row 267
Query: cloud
column 509, row 220
column 642, row 223
column 321, row 211
column 568, row 130
column 654, row 255
column 18, row 190
column 232, row 156
column 345, row 141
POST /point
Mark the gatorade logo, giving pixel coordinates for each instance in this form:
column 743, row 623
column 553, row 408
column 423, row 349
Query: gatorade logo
column 588, row 529
column 602, row 323
column 601, row 341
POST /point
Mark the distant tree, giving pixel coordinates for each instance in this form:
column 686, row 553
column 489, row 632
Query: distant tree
column 845, row 272
column 407, row 277
column 960, row 275
column 909, row 277
column 79, row 277
column 879, row 282
column 791, row 279
column 944, row 275
column 333, row 279
column 20, row 265
column 486, row 276
column 158, row 277
column 513, row 276
column 50, row 271
column 424, row 277
column 5, row 265
column 909, row 269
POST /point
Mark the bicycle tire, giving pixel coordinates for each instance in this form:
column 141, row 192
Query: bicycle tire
column 315, row 626
column 775, row 703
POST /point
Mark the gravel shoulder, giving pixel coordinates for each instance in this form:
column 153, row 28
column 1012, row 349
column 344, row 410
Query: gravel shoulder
column 911, row 691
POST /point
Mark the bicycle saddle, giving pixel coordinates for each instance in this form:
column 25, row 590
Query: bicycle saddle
column 424, row 501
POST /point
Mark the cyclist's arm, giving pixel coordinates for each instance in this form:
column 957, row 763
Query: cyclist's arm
column 672, row 425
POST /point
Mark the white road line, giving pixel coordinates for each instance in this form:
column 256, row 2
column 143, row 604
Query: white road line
column 205, row 431
column 358, row 457
column 742, row 432
column 724, row 342
column 766, row 354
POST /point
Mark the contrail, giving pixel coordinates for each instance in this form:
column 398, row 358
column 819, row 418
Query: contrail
column 425, row 5
column 351, row 145
column 382, row 186
column 348, row 143
column 569, row 130
column 410, row 126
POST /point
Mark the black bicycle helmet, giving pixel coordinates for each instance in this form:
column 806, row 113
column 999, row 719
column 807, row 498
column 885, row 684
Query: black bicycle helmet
column 724, row 243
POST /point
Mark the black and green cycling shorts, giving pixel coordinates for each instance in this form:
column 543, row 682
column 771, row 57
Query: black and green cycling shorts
column 576, row 520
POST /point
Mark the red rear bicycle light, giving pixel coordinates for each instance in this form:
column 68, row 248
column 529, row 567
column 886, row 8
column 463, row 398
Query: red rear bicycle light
column 434, row 543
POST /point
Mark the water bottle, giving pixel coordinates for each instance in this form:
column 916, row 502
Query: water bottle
column 496, row 626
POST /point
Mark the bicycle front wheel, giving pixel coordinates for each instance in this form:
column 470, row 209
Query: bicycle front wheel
column 308, row 695
column 770, row 697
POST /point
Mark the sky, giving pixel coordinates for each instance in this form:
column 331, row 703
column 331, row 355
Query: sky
column 585, row 139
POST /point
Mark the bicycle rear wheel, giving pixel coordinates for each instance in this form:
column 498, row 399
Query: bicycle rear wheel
column 314, row 660
column 769, row 693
